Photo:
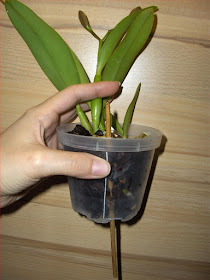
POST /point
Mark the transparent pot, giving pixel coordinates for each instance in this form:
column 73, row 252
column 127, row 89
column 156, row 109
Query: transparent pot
column 118, row 196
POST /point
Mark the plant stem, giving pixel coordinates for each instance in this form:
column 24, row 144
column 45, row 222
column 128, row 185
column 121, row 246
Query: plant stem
column 96, row 104
column 83, row 119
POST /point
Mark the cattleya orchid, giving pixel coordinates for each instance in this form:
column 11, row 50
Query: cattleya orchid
column 117, row 51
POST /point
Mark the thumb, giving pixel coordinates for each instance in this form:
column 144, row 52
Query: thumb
column 74, row 164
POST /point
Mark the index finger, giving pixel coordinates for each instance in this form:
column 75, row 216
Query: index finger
column 75, row 94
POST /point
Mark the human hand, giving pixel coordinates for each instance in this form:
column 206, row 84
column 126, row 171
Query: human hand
column 29, row 146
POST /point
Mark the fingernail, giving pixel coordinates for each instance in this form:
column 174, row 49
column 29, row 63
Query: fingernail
column 100, row 168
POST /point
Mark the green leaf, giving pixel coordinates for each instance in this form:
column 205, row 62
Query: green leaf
column 57, row 60
column 96, row 109
column 129, row 112
column 126, row 52
column 116, row 125
column 113, row 37
column 135, row 9
column 54, row 56
column 80, row 69
column 84, row 119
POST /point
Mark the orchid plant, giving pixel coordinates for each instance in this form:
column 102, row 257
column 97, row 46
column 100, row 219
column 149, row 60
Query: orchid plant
column 117, row 51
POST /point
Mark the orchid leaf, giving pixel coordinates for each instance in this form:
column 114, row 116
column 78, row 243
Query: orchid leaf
column 126, row 52
column 135, row 9
column 57, row 60
column 112, row 40
column 129, row 112
column 52, row 53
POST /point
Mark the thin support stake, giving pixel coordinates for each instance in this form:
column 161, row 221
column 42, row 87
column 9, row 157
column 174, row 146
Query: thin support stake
column 112, row 222
column 108, row 120
column 113, row 246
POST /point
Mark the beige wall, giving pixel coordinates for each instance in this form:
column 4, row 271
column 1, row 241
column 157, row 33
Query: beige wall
column 44, row 238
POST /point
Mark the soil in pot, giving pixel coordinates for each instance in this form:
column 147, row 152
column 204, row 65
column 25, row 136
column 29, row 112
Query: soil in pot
column 128, row 177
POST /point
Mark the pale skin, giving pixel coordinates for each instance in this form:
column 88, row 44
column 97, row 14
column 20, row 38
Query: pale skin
column 29, row 147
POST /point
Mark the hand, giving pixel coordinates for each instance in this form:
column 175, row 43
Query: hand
column 29, row 146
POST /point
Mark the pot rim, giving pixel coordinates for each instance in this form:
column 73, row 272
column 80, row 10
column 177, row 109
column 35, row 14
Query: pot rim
column 111, row 144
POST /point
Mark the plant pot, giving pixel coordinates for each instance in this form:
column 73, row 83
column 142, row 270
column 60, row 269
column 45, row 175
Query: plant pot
column 118, row 196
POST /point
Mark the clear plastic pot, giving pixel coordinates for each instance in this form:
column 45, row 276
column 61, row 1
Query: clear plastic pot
column 118, row 196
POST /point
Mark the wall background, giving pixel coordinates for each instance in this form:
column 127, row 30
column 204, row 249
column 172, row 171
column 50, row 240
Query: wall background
column 41, row 236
